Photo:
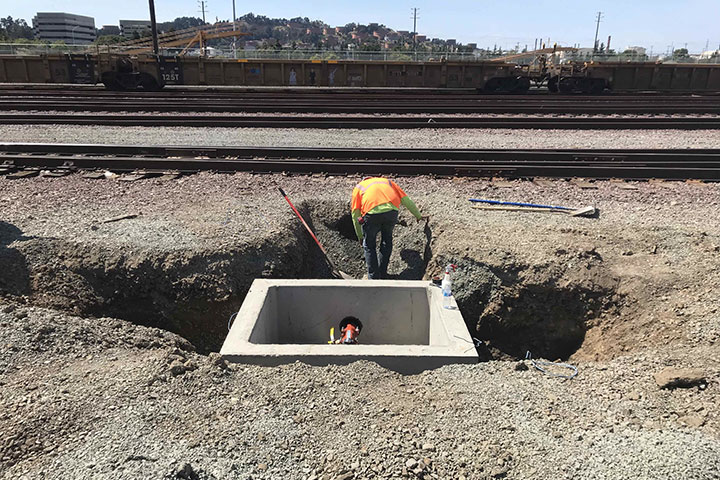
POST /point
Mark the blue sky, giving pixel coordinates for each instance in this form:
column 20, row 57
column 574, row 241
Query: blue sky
column 658, row 23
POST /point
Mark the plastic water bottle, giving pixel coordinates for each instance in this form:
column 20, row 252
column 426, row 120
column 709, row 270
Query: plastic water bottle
column 446, row 286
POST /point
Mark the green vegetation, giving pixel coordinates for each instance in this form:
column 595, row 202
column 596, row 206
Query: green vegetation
column 14, row 29
column 109, row 39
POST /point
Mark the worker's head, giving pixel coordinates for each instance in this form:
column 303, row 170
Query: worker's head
column 355, row 322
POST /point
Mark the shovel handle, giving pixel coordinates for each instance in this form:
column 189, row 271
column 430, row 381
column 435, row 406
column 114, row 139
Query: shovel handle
column 307, row 227
column 519, row 204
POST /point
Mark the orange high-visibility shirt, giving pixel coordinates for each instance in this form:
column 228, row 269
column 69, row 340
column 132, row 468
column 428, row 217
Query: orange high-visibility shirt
column 375, row 191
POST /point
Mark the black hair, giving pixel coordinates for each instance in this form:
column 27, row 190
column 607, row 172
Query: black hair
column 351, row 321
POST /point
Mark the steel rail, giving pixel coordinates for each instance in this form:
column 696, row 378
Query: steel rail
column 357, row 122
column 638, row 164
column 357, row 94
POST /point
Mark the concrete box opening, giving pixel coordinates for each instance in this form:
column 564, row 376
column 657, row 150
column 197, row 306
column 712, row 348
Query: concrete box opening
column 405, row 327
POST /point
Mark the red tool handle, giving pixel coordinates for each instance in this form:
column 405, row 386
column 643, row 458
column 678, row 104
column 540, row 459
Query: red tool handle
column 303, row 221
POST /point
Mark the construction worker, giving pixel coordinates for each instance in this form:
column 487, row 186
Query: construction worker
column 374, row 206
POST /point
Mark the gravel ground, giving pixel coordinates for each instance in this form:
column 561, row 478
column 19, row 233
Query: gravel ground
column 106, row 399
column 387, row 138
column 88, row 396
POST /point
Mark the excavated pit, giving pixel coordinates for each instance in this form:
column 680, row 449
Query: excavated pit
column 193, row 293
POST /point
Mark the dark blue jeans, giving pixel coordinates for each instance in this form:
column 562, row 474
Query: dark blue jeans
column 382, row 223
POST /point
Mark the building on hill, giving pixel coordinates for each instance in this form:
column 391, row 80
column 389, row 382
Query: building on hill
column 636, row 50
column 360, row 36
column 64, row 27
column 331, row 41
column 128, row 28
column 109, row 30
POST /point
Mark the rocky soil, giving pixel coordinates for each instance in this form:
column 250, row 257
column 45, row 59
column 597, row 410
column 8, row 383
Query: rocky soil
column 381, row 138
column 107, row 333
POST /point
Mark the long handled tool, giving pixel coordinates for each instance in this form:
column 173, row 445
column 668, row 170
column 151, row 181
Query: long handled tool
column 533, row 207
column 335, row 272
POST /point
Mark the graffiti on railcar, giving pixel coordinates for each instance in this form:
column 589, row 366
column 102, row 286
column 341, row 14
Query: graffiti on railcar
column 82, row 70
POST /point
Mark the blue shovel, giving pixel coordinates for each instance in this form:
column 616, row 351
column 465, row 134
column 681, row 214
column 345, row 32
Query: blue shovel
column 533, row 207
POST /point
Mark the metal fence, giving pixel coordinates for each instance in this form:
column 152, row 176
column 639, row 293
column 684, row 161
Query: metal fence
column 287, row 54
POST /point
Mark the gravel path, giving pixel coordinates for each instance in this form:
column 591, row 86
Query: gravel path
column 442, row 138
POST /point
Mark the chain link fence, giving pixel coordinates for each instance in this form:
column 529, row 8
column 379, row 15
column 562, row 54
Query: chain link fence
column 384, row 55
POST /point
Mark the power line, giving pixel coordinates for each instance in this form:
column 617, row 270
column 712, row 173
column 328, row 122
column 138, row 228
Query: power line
column 234, row 44
column 597, row 31
column 202, row 4
column 153, row 28
column 415, row 17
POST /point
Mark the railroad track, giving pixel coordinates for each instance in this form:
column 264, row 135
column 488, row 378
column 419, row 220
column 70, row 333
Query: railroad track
column 351, row 93
column 353, row 106
column 630, row 164
column 364, row 122
column 343, row 102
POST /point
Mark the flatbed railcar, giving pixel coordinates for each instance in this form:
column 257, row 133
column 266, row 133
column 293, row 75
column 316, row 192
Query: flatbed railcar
column 148, row 72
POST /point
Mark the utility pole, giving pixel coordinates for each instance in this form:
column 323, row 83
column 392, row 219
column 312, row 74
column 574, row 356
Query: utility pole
column 414, row 12
column 202, row 8
column 597, row 31
column 153, row 28
column 234, row 28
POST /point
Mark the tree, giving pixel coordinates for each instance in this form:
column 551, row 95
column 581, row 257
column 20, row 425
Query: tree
column 109, row 39
column 681, row 53
column 373, row 46
column 180, row 23
column 12, row 29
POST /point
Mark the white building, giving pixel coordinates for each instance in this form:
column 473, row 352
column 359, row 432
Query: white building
column 638, row 50
column 128, row 28
column 64, row 27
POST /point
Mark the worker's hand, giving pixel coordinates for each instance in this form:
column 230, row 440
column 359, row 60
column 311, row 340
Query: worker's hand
column 423, row 217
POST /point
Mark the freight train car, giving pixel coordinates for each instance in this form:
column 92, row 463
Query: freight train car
column 147, row 72
column 150, row 73
column 633, row 77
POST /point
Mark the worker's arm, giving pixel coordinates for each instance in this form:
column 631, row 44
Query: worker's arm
column 355, row 205
column 410, row 205
column 358, row 228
